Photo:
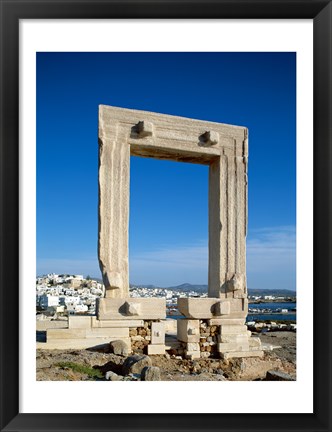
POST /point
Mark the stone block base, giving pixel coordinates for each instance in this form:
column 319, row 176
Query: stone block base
column 79, row 322
column 47, row 324
column 116, row 323
column 131, row 308
column 188, row 330
column 217, row 327
column 88, row 332
column 229, row 347
column 158, row 333
column 171, row 326
column 79, row 343
column 191, row 355
column 148, row 338
column 203, row 338
column 236, row 354
column 255, row 342
column 86, row 322
column 208, row 308
column 156, row 349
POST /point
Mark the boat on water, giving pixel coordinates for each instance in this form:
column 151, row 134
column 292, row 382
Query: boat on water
column 280, row 310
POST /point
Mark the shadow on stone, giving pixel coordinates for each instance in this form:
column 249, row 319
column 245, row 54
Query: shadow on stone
column 275, row 375
column 114, row 365
column 40, row 336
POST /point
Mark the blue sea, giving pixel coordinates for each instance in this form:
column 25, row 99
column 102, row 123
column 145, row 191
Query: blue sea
column 273, row 316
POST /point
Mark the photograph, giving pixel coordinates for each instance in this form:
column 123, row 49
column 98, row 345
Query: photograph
column 165, row 185
column 166, row 216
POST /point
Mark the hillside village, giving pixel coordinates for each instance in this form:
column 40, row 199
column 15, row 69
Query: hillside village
column 68, row 294
column 73, row 294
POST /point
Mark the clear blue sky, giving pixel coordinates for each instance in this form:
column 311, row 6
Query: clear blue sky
column 168, row 202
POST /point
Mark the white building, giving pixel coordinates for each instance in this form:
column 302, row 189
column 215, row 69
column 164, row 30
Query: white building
column 46, row 301
column 81, row 308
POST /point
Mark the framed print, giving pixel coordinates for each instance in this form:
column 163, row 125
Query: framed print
column 40, row 42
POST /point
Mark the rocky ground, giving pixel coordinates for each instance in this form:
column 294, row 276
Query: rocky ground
column 84, row 365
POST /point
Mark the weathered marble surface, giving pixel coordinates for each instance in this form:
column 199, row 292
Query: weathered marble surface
column 224, row 148
column 125, row 132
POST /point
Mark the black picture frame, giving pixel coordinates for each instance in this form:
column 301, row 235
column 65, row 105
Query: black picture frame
column 11, row 12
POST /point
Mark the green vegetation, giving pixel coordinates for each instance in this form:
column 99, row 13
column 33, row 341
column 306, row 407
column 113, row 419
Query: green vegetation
column 83, row 369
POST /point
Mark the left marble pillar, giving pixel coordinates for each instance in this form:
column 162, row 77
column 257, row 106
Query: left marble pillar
column 114, row 174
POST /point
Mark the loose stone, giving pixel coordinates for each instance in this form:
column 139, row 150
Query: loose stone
column 150, row 373
column 119, row 347
column 112, row 376
column 135, row 364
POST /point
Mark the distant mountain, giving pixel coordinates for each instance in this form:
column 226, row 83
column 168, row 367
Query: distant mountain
column 274, row 292
column 189, row 287
column 142, row 286
column 203, row 288
column 183, row 287
column 252, row 291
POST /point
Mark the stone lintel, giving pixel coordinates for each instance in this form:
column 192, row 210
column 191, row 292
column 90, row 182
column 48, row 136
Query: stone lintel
column 144, row 129
column 210, row 137
column 172, row 153
column 169, row 125
column 117, row 308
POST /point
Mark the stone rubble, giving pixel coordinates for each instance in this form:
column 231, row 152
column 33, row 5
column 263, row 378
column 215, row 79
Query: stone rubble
column 175, row 368
column 112, row 376
column 150, row 373
column 272, row 326
column 135, row 364
column 277, row 375
column 119, row 347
